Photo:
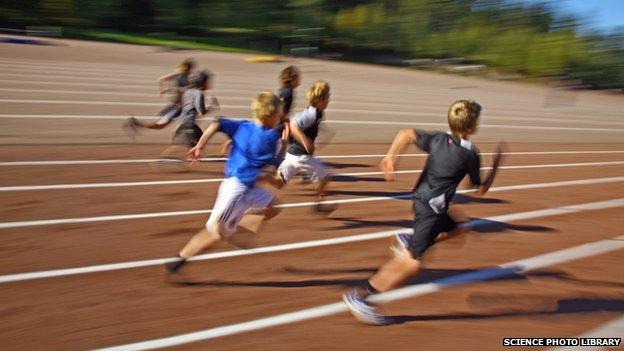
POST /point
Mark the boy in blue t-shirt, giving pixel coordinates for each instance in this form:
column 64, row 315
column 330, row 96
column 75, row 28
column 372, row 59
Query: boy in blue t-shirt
column 254, row 146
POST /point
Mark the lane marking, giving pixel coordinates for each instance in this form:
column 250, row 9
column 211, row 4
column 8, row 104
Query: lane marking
column 497, row 272
column 209, row 159
column 333, row 121
column 445, row 125
column 303, row 245
column 34, row 223
column 335, row 101
column 150, row 87
column 215, row 180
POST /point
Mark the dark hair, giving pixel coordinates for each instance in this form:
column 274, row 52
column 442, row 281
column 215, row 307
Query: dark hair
column 200, row 79
column 289, row 75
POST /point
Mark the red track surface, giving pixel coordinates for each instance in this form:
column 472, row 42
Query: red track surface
column 94, row 310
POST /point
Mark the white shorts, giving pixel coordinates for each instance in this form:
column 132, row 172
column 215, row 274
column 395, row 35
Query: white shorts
column 302, row 164
column 233, row 201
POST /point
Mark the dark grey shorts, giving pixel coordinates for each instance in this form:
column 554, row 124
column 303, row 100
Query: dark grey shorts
column 187, row 134
column 427, row 226
column 170, row 112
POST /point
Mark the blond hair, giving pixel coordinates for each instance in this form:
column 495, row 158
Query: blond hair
column 185, row 66
column 463, row 115
column 264, row 105
column 319, row 91
column 288, row 76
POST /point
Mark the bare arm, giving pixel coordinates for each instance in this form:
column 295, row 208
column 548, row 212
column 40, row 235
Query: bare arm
column 296, row 133
column 489, row 180
column 272, row 179
column 404, row 138
column 201, row 107
column 195, row 152
column 164, row 80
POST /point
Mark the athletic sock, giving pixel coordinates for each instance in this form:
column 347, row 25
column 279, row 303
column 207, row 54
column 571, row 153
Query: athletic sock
column 369, row 289
column 172, row 267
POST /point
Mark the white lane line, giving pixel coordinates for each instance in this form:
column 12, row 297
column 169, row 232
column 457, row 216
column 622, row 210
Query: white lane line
column 209, row 159
column 303, row 245
column 85, row 117
column 79, row 66
column 150, row 87
column 112, row 103
column 154, row 95
column 445, row 125
column 230, row 78
column 611, row 329
column 98, row 162
column 214, row 180
column 504, row 270
column 219, row 90
column 335, row 101
column 34, row 223
column 333, row 121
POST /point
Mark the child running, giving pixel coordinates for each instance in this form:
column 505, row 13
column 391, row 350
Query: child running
column 451, row 157
column 193, row 104
column 254, row 145
column 174, row 84
column 304, row 128
column 290, row 78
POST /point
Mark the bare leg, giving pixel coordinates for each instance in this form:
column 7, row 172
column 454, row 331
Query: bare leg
column 160, row 124
column 199, row 242
column 255, row 220
column 395, row 272
column 392, row 274
column 322, row 187
column 456, row 234
column 204, row 239
column 321, row 193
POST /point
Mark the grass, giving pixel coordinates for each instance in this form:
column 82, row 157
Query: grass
column 173, row 42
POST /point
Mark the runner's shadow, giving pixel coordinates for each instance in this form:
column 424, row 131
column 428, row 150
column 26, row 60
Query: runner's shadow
column 467, row 199
column 351, row 179
column 337, row 165
column 295, row 270
column 445, row 276
column 487, row 226
column 564, row 306
column 354, row 223
column 403, row 195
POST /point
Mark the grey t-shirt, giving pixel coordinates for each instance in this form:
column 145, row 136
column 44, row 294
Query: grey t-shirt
column 192, row 104
column 308, row 121
column 287, row 95
column 450, row 159
column 177, row 84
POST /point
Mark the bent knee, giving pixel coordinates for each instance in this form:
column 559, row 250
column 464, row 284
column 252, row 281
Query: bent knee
column 410, row 263
column 217, row 230
column 273, row 210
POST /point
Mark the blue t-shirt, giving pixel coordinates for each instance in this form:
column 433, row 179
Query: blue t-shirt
column 253, row 147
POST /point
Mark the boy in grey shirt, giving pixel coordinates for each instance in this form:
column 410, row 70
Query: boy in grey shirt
column 304, row 128
column 451, row 157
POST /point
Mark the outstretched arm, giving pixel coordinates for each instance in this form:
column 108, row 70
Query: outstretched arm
column 201, row 107
column 489, row 180
column 162, row 81
column 389, row 162
column 195, row 152
column 272, row 179
column 298, row 135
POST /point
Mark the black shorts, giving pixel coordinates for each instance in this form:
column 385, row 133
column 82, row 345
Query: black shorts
column 187, row 134
column 427, row 226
